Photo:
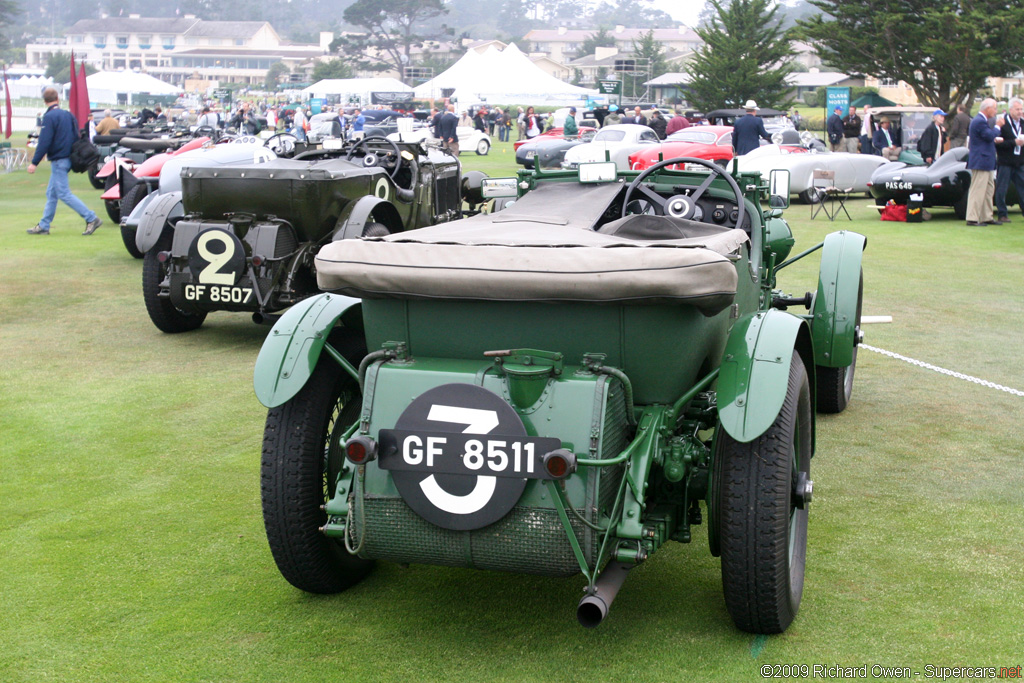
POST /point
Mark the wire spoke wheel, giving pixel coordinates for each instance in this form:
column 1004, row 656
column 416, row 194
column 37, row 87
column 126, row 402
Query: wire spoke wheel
column 303, row 460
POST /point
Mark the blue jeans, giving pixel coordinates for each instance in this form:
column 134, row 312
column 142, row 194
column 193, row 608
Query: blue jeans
column 1004, row 174
column 59, row 189
column 502, row 133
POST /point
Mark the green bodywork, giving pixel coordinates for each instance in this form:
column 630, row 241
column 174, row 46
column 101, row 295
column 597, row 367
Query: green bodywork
column 293, row 347
column 755, row 371
column 636, row 392
column 834, row 314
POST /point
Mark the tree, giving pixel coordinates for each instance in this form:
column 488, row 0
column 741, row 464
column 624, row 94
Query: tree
column 58, row 67
column 745, row 56
column 944, row 51
column 8, row 11
column 650, row 53
column 333, row 68
column 390, row 32
column 630, row 13
column 274, row 74
column 595, row 40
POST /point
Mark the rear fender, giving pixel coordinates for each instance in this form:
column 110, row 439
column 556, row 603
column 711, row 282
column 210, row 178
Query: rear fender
column 109, row 167
column 834, row 323
column 357, row 214
column 132, row 221
column 163, row 208
column 755, row 371
column 293, row 347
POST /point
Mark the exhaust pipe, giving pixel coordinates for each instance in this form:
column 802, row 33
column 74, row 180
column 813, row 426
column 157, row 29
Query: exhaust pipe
column 265, row 318
column 594, row 607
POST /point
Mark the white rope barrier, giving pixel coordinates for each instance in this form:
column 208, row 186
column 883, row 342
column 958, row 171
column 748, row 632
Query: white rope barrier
column 944, row 371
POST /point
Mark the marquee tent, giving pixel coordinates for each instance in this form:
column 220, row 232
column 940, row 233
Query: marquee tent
column 105, row 86
column 360, row 89
column 27, row 86
column 502, row 77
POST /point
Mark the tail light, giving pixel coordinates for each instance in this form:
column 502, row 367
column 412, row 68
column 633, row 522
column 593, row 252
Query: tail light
column 559, row 463
column 360, row 450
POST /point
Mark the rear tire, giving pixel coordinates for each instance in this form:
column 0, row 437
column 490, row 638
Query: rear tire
column 128, row 204
column 375, row 230
column 960, row 208
column 96, row 182
column 483, row 147
column 162, row 311
column 835, row 385
column 302, row 458
column 762, row 533
column 809, row 196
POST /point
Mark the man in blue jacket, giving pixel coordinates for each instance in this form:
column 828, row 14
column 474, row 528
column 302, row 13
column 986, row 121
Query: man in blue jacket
column 58, row 134
column 983, row 136
column 747, row 130
column 834, row 128
column 886, row 141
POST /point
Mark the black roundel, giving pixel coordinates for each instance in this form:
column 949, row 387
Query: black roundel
column 216, row 257
column 459, row 455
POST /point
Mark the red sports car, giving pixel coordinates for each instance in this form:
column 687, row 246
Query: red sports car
column 713, row 143
column 553, row 133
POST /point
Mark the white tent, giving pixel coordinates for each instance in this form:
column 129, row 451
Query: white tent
column 502, row 77
column 105, row 86
column 350, row 89
column 27, row 86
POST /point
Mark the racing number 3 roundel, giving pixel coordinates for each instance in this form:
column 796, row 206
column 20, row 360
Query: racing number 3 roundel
column 460, row 457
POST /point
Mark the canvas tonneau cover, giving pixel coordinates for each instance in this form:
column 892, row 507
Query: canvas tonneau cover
column 519, row 255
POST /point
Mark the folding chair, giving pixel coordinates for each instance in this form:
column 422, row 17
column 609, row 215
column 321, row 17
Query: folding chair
column 829, row 199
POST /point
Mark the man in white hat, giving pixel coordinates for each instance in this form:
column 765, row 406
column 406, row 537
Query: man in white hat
column 748, row 130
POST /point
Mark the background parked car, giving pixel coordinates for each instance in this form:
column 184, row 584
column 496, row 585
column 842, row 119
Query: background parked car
column 945, row 183
column 617, row 141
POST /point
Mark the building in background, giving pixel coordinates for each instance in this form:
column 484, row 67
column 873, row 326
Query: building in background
column 177, row 49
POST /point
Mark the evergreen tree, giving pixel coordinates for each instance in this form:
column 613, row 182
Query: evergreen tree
column 745, row 56
column 332, row 68
column 651, row 55
column 595, row 40
column 274, row 74
column 391, row 31
column 944, row 51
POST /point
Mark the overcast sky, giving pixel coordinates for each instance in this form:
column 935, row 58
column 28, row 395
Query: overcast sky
column 685, row 11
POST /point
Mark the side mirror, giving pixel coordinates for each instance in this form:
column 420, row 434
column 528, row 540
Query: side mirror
column 494, row 188
column 778, row 189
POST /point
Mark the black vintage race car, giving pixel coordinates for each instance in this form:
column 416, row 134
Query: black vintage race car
column 548, row 152
column 244, row 237
column 944, row 183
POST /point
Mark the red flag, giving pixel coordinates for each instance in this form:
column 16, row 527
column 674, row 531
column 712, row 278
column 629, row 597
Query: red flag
column 7, row 90
column 83, row 95
column 74, row 100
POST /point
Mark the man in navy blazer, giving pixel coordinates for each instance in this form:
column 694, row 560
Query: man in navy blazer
column 983, row 136
column 886, row 142
column 747, row 130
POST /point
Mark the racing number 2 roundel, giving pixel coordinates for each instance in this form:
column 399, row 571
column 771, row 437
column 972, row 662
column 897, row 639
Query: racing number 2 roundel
column 459, row 456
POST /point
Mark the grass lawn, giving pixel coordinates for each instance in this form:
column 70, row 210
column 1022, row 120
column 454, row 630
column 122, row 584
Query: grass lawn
column 132, row 545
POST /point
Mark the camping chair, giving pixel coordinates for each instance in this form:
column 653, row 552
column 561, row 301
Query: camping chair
column 829, row 199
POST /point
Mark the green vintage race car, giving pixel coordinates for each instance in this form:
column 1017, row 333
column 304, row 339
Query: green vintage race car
column 562, row 387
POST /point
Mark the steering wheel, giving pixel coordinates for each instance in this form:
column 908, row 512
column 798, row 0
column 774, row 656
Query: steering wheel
column 281, row 143
column 682, row 205
column 390, row 160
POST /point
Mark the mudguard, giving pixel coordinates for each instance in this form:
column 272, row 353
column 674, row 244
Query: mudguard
column 834, row 322
column 162, row 208
column 755, row 371
column 357, row 214
column 293, row 347
column 132, row 221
